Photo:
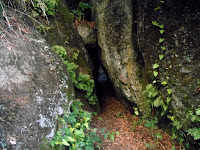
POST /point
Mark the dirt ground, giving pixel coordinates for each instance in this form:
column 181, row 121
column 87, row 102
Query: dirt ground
column 130, row 128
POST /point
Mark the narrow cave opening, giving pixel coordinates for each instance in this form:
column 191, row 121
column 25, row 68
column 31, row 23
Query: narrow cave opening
column 103, row 84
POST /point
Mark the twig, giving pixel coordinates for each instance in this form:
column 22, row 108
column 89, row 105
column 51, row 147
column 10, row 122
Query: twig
column 162, row 145
column 43, row 6
column 5, row 16
column 24, row 14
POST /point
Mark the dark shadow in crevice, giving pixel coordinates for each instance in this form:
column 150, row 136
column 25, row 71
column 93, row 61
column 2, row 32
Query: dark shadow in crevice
column 103, row 84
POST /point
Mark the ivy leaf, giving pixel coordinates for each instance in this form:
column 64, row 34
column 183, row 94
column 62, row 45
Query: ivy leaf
column 155, row 23
column 161, row 26
column 163, row 48
column 155, row 66
column 162, row 31
column 169, row 91
column 165, row 107
column 161, row 40
column 162, row 1
column 161, row 56
column 157, row 8
column 168, row 99
column 164, row 82
column 167, row 78
column 155, row 73
column 171, row 117
column 154, row 81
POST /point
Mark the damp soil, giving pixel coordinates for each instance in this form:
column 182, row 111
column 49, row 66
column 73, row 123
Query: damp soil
column 114, row 117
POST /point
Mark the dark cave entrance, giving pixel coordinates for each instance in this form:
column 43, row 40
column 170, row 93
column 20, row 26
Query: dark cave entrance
column 103, row 84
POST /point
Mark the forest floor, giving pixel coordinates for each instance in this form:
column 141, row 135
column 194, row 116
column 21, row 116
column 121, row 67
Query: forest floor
column 128, row 130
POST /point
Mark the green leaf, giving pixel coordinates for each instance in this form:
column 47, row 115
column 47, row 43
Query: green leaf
column 155, row 23
column 162, row 31
column 168, row 99
column 71, row 139
column 165, row 107
column 155, row 66
column 173, row 148
column 164, row 82
column 161, row 26
column 100, row 118
column 157, row 102
column 52, row 143
column 177, row 124
column 162, row 1
column 147, row 145
column 157, row 8
column 161, row 40
column 195, row 132
column 65, row 142
column 161, row 56
column 169, row 91
column 163, row 48
column 154, row 81
column 117, row 133
column 155, row 73
column 112, row 136
column 162, row 113
column 198, row 111
column 171, row 117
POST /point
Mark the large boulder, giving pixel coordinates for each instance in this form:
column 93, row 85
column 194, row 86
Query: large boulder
column 34, row 87
column 114, row 23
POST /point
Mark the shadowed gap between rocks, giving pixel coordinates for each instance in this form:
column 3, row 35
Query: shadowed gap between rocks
column 103, row 84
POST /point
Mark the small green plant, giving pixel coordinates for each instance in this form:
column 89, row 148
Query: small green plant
column 44, row 7
column 151, row 123
column 81, row 8
column 42, row 28
column 150, row 145
column 82, row 81
column 109, row 135
column 78, row 134
column 119, row 114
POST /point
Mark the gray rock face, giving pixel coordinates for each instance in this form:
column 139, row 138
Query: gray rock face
column 114, row 22
column 34, row 88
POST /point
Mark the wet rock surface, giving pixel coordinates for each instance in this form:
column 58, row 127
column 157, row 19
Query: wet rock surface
column 34, row 87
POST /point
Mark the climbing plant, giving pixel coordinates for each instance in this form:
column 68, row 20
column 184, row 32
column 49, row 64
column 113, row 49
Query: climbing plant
column 163, row 100
column 43, row 7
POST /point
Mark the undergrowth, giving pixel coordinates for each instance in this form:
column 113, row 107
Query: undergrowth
column 80, row 80
column 78, row 134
